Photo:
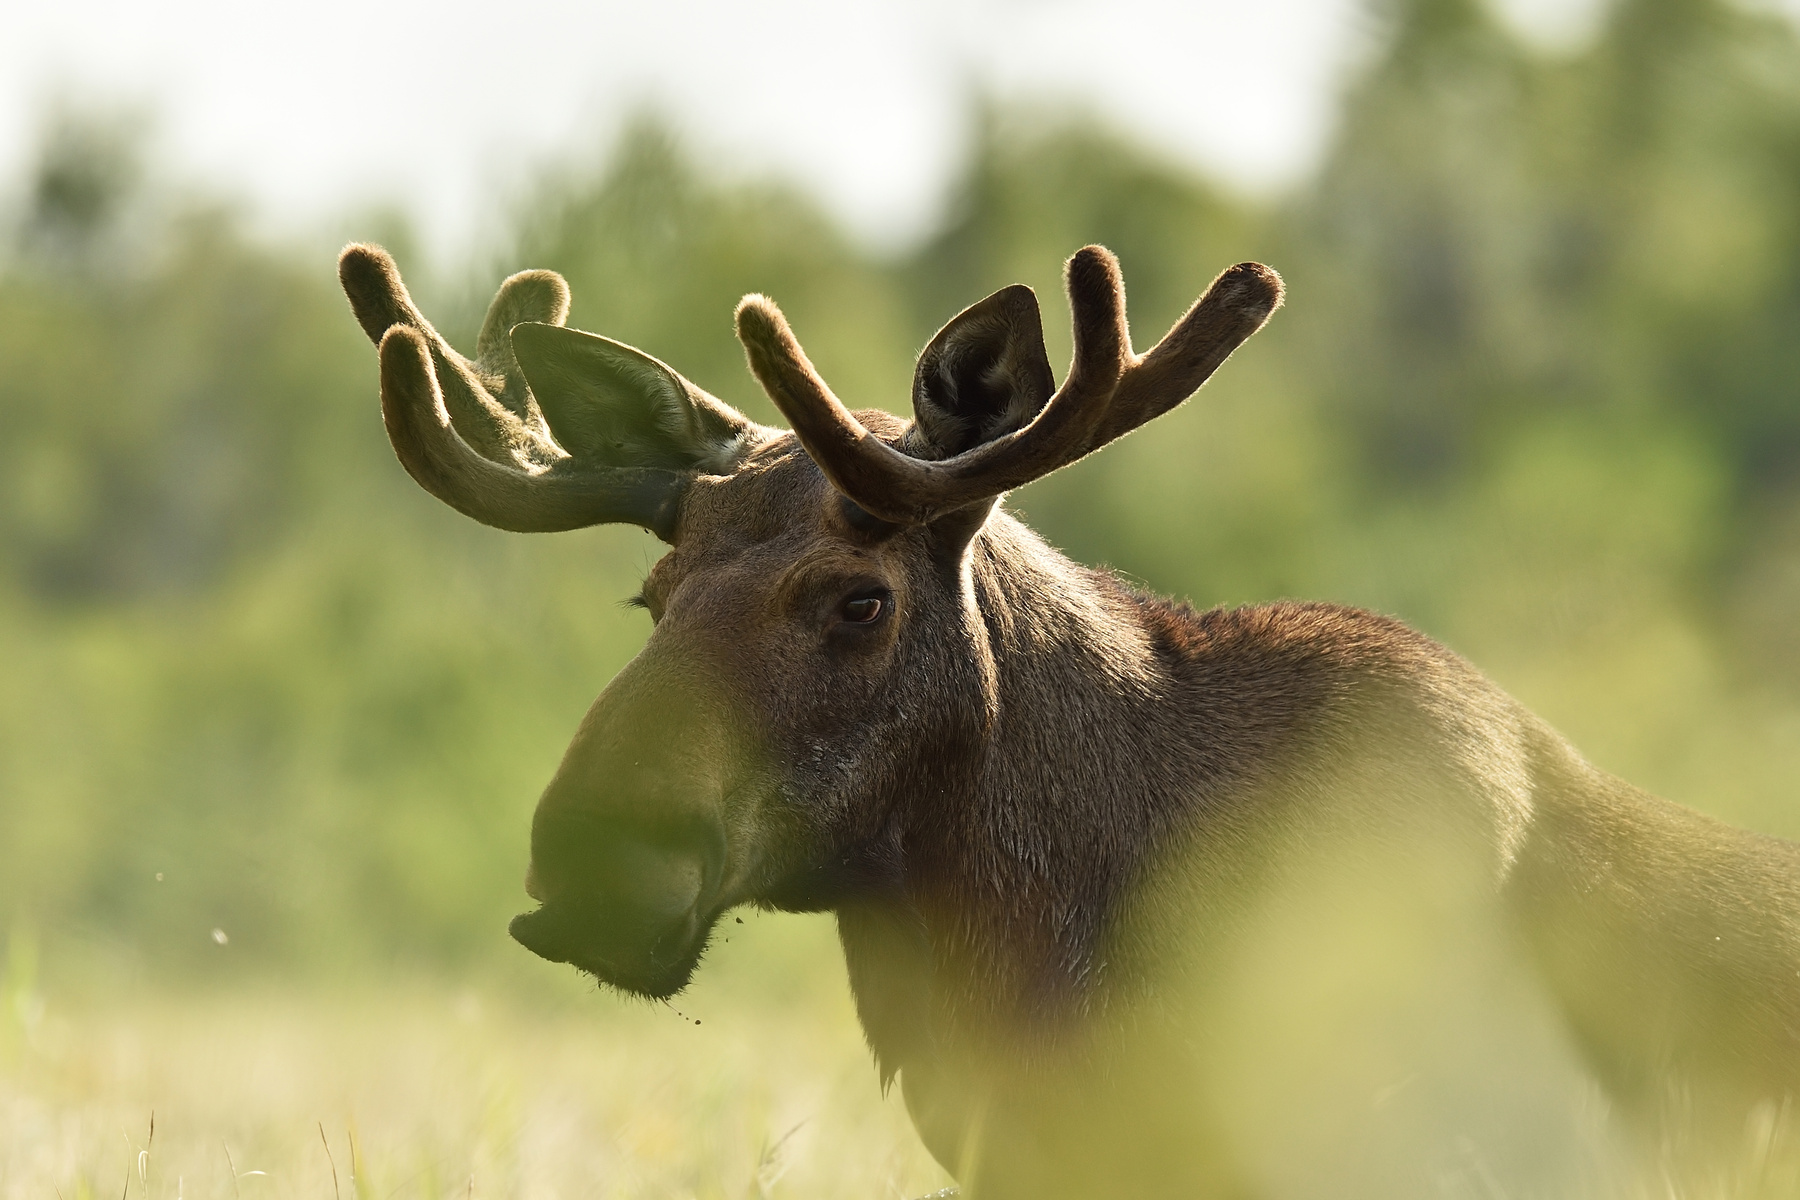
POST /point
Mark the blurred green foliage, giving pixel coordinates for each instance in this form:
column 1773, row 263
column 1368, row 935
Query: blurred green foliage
column 1537, row 391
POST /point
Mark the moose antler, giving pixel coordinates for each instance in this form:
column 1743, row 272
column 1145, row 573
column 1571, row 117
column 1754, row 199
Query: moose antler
column 470, row 432
column 1109, row 392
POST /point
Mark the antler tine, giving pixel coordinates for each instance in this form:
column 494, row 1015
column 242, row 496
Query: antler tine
column 507, row 426
column 1109, row 392
column 1237, row 304
column 857, row 462
column 490, row 458
column 1101, row 334
column 562, row 496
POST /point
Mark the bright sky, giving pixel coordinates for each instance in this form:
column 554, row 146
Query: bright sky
column 311, row 110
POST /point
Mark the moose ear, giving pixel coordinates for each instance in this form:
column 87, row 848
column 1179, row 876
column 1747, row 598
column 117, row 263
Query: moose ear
column 607, row 402
column 985, row 374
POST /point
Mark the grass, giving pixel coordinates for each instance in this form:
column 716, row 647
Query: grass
column 756, row 1084
column 533, row 1084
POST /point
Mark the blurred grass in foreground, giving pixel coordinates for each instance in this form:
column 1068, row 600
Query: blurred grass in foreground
column 430, row 1091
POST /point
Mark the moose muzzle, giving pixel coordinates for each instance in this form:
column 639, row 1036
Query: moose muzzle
column 628, row 845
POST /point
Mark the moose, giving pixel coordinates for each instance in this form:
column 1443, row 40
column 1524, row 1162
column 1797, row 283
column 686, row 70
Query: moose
column 1282, row 900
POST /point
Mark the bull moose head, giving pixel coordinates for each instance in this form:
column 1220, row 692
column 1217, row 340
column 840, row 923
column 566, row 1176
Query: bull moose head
column 821, row 663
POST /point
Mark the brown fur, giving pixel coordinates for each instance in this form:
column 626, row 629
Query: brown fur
column 1122, row 887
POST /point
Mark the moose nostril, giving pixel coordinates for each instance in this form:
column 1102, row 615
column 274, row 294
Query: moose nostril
column 660, row 883
column 582, row 863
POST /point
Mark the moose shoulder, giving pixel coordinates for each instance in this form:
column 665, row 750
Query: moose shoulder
column 1285, row 900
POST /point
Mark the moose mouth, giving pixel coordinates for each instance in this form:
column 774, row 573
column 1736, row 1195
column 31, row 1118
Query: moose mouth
column 631, row 909
column 629, row 950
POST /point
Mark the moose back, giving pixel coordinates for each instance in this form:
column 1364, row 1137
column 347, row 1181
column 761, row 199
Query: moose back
column 1273, row 901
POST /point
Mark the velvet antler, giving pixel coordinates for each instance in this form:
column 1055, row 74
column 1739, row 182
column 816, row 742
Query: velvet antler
column 1109, row 391
column 470, row 431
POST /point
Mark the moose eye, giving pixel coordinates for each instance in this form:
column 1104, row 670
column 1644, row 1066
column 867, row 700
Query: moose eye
column 863, row 610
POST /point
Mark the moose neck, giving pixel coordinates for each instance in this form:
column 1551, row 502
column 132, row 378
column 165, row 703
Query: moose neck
column 1009, row 878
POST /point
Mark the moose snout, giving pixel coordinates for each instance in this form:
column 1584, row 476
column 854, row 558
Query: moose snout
column 627, row 904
